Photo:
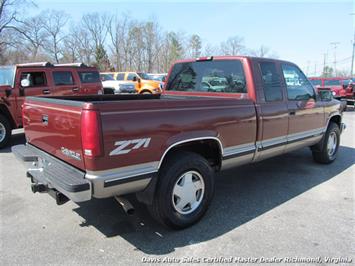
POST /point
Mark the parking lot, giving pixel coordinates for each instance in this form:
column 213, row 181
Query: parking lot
column 287, row 206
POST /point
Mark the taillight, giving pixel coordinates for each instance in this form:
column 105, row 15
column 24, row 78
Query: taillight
column 90, row 133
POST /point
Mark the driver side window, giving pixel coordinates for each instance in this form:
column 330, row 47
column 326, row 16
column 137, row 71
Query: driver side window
column 36, row 79
column 298, row 86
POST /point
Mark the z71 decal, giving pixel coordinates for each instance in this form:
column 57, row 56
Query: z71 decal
column 126, row 146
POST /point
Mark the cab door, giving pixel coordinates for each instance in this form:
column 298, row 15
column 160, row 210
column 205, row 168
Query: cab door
column 65, row 83
column 272, row 107
column 32, row 82
column 133, row 77
column 306, row 112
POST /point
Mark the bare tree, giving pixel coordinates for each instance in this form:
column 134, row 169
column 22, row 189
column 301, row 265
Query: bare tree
column 97, row 24
column 54, row 24
column 33, row 33
column 233, row 46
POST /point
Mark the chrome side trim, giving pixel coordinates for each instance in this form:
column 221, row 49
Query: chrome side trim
column 123, row 172
column 189, row 140
column 273, row 141
column 238, row 149
column 305, row 134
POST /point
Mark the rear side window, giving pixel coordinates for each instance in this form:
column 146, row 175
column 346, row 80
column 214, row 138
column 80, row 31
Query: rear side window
column 223, row 76
column 36, row 79
column 91, row 77
column 120, row 76
column 298, row 86
column 316, row 82
column 332, row 82
column 63, row 78
column 271, row 82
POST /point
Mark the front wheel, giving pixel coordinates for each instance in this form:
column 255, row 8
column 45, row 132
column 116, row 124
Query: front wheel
column 5, row 131
column 329, row 148
column 184, row 191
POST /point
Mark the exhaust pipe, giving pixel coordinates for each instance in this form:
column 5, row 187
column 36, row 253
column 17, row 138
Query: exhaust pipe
column 126, row 205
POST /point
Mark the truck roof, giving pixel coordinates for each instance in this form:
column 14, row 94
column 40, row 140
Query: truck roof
column 230, row 57
column 50, row 65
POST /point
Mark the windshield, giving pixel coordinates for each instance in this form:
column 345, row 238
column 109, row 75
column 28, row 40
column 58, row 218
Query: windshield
column 332, row 82
column 316, row 82
column 144, row 76
column 105, row 77
column 7, row 75
column 209, row 76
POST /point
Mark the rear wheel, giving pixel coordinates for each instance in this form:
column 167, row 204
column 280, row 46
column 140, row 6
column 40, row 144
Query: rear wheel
column 329, row 148
column 184, row 191
column 5, row 131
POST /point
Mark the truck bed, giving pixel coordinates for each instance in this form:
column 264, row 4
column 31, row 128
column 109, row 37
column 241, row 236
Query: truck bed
column 53, row 124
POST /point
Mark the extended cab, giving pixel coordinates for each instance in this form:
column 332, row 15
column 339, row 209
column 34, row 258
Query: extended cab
column 34, row 79
column 167, row 148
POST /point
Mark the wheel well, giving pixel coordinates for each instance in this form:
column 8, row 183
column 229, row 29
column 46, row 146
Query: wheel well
column 145, row 90
column 109, row 91
column 335, row 119
column 5, row 112
column 209, row 149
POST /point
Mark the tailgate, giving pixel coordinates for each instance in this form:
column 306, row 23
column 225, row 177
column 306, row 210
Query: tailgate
column 54, row 126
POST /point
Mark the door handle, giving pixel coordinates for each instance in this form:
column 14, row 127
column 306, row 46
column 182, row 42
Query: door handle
column 46, row 91
column 75, row 89
column 292, row 113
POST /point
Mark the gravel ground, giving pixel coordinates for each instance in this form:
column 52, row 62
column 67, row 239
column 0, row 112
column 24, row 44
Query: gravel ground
column 283, row 208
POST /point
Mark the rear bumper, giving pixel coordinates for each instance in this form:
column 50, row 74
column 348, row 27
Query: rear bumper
column 53, row 175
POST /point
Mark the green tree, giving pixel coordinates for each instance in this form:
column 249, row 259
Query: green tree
column 327, row 72
column 195, row 45
column 102, row 61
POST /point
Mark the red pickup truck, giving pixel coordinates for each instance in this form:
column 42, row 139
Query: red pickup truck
column 167, row 148
column 43, row 78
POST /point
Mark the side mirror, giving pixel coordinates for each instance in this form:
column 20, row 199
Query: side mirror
column 134, row 79
column 325, row 95
column 25, row 83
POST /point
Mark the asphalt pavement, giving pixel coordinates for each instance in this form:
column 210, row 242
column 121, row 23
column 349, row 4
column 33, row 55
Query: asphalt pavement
column 286, row 208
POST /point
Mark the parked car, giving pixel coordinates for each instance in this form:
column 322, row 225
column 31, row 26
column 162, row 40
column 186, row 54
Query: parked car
column 112, row 86
column 333, row 84
column 349, row 87
column 168, row 148
column 34, row 79
column 143, row 83
column 160, row 77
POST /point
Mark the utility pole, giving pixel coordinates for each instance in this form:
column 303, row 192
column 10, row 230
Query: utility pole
column 353, row 54
column 335, row 45
column 315, row 69
column 324, row 63
column 307, row 69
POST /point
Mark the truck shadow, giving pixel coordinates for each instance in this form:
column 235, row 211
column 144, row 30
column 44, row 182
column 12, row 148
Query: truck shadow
column 16, row 138
column 241, row 195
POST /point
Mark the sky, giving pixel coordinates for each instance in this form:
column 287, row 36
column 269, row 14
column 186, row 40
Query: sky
column 298, row 31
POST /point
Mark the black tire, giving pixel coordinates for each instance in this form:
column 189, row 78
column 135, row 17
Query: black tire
column 162, row 208
column 322, row 155
column 4, row 124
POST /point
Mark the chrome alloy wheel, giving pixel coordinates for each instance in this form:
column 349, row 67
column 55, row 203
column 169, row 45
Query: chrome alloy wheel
column 188, row 192
column 332, row 144
column 2, row 132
